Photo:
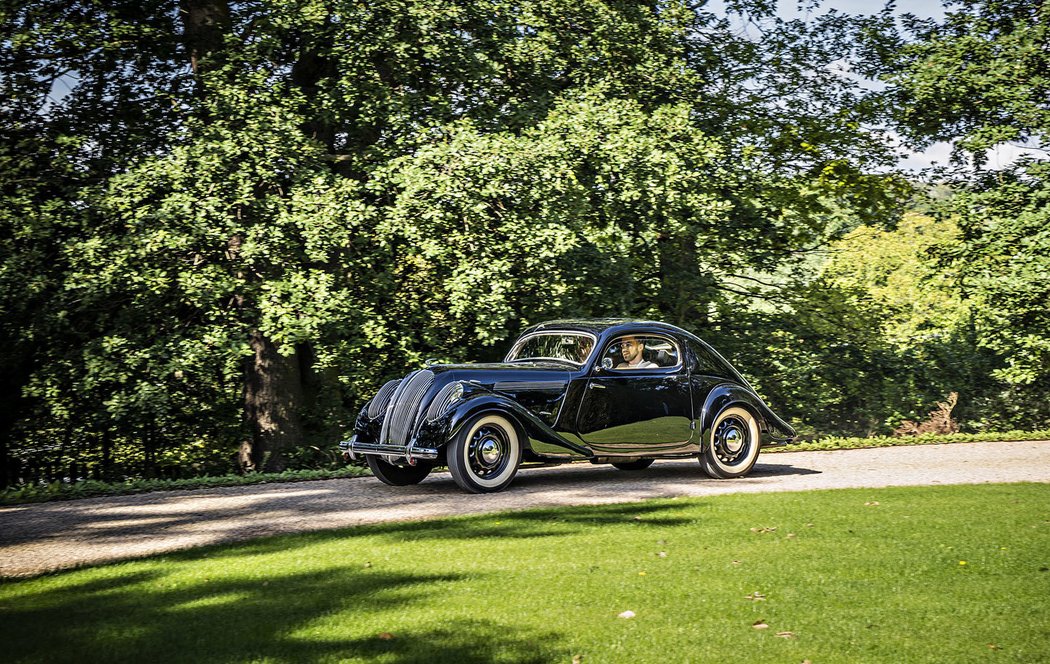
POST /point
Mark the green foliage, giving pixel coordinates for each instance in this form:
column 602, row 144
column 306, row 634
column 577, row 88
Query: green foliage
column 38, row 493
column 361, row 186
column 891, row 269
column 868, row 335
column 871, row 575
column 222, row 236
column 837, row 443
column 979, row 80
column 1003, row 260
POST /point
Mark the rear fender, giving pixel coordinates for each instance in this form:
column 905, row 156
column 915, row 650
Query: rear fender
column 727, row 395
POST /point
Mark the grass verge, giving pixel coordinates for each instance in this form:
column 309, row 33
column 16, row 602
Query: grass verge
column 835, row 443
column 919, row 574
column 37, row 493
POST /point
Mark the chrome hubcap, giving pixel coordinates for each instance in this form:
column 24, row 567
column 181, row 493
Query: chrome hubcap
column 732, row 440
column 488, row 452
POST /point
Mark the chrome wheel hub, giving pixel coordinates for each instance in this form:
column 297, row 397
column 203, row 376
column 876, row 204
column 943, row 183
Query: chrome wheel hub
column 487, row 454
column 489, row 451
column 732, row 440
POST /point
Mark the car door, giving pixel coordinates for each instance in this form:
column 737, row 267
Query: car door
column 640, row 409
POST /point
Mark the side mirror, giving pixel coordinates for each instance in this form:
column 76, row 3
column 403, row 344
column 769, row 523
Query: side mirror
column 607, row 364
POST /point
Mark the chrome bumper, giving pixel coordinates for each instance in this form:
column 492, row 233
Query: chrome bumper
column 353, row 447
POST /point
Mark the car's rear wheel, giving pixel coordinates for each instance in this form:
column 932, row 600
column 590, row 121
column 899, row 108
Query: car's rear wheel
column 396, row 474
column 485, row 455
column 638, row 464
column 734, row 444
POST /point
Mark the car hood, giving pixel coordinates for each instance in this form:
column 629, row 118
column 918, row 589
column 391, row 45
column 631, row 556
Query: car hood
column 505, row 376
column 499, row 370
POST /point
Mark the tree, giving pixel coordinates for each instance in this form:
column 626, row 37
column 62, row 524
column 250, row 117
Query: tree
column 321, row 194
column 980, row 79
column 83, row 88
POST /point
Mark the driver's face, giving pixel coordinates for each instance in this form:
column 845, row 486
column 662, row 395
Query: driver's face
column 630, row 348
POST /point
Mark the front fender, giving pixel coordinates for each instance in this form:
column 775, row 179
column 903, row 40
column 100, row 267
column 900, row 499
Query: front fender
column 532, row 426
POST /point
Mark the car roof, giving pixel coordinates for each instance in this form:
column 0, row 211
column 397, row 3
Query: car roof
column 599, row 326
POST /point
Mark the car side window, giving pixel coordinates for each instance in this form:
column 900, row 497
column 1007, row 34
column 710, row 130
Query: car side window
column 641, row 351
column 704, row 362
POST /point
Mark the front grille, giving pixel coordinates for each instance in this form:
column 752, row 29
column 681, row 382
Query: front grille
column 404, row 407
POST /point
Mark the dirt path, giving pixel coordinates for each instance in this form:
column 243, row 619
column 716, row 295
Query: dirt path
column 49, row 536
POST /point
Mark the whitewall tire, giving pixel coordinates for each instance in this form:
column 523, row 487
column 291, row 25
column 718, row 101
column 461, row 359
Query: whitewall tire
column 485, row 455
column 733, row 448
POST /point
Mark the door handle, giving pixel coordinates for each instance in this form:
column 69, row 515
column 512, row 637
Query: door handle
column 596, row 386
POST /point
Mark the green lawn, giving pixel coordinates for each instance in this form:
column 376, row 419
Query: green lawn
column 941, row 574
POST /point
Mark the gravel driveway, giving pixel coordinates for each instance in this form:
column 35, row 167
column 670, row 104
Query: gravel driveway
column 49, row 536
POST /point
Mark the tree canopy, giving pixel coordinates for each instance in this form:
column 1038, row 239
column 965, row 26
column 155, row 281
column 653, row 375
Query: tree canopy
column 981, row 80
column 225, row 223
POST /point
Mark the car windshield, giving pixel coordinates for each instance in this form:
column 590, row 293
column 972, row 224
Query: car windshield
column 565, row 346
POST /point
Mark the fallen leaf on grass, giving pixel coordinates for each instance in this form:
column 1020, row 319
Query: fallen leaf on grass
column 871, row 504
column 993, row 646
column 736, row 562
column 626, row 615
column 577, row 659
column 755, row 597
column 767, row 529
column 760, row 624
column 642, row 573
column 386, row 636
column 661, row 554
column 792, row 535
column 786, row 635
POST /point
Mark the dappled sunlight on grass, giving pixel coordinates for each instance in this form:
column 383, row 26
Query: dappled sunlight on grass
column 856, row 575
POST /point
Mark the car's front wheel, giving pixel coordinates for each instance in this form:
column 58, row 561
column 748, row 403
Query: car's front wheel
column 397, row 474
column 734, row 444
column 485, row 455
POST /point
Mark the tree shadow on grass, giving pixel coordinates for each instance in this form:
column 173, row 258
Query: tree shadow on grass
column 526, row 525
column 161, row 618
column 459, row 642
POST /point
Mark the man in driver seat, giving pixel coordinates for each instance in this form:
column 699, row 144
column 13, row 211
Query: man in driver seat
column 631, row 349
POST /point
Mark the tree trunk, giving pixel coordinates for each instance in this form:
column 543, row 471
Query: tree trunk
column 205, row 24
column 273, row 397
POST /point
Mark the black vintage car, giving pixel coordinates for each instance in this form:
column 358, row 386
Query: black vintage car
column 614, row 391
